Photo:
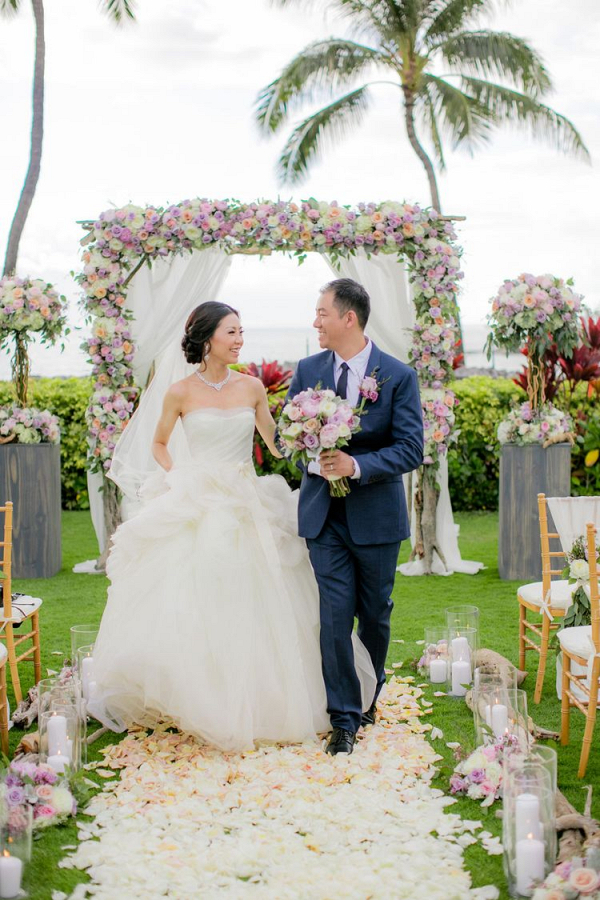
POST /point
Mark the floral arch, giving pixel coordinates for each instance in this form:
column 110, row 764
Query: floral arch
column 122, row 240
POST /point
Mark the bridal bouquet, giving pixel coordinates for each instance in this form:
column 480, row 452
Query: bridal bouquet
column 317, row 419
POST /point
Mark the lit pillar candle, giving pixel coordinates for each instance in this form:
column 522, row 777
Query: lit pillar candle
column 87, row 675
column 58, row 762
column 527, row 817
column 461, row 649
column 529, row 864
column 57, row 735
column 438, row 671
column 11, row 870
column 461, row 675
column 499, row 719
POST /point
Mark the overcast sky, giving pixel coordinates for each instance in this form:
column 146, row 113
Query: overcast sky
column 161, row 110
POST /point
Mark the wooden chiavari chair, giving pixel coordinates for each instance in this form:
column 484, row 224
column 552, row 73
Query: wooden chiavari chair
column 582, row 645
column 547, row 598
column 16, row 613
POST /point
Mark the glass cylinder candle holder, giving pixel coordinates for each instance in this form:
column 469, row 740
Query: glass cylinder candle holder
column 16, row 831
column 59, row 738
column 507, row 678
column 85, row 669
column 434, row 661
column 82, row 636
column 548, row 758
column 44, row 688
column 501, row 712
column 528, row 825
column 462, row 617
column 71, row 707
column 462, row 647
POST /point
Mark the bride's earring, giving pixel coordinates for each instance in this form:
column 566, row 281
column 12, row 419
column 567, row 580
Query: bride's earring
column 206, row 355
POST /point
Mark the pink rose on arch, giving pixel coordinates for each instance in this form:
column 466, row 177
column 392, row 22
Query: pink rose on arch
column 584, row 880
column 329, row 436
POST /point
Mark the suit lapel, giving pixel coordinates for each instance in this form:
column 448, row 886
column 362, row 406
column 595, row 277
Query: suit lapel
column 325, row 372
column 374, row 359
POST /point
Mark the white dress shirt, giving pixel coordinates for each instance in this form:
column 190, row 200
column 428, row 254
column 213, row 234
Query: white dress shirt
column 357, row 369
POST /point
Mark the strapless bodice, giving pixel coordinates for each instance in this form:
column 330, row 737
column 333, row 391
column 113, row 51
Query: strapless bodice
column 220, row 436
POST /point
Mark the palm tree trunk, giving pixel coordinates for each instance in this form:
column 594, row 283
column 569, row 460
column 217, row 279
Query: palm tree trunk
column 409, row 106
column 37, row 133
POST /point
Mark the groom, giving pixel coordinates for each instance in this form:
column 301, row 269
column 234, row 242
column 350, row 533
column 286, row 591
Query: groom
column 354, row 541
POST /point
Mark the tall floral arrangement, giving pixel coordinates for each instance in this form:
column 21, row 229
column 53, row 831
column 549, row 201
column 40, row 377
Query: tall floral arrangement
column 534, row 312
column 28, row 306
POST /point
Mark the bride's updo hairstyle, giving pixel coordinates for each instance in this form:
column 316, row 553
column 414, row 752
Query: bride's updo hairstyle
column 200, row 327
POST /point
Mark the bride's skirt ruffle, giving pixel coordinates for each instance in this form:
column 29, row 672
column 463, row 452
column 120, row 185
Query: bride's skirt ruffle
column 212, row 619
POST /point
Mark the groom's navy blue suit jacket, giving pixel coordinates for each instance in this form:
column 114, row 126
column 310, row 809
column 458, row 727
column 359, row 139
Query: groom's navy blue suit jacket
column 389, row 445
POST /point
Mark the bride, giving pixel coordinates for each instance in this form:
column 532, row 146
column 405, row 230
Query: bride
column 212, row 619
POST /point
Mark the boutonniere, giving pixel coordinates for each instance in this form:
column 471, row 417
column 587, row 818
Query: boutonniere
column 370, row 387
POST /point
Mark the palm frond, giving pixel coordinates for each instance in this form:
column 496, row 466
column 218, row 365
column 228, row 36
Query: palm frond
column 118, row 10
column 324, row 66
column 451, row 16
column 507, row 105
column 497, row 54
column 9, row 7
column 462, row 117
column 306, row 140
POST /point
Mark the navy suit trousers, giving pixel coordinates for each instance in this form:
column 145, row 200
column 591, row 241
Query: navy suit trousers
column 354, row 581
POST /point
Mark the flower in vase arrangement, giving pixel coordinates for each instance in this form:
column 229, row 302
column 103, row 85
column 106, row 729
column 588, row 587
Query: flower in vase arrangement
column 25, row 784
column 533, row 312
column 573, row 879
column 479, row 776
column 525, row 425
column 317, row 419
column 28, row 426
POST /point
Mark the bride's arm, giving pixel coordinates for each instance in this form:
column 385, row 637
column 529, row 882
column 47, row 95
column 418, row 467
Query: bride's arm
column 265, row 423
column 170, row 413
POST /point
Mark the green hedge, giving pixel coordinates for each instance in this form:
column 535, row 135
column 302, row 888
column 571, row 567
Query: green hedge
column 67, row 398
column 474, row 463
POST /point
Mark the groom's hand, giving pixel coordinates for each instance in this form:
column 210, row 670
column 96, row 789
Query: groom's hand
column 336, row 462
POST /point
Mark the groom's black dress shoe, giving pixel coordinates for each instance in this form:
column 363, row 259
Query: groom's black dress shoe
column 368, row 717
column 341, row 741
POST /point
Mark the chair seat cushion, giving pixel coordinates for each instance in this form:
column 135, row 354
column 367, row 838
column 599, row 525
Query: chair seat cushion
column 560, row 593
column 22, row 607
column 577, row 640
column 3, row 653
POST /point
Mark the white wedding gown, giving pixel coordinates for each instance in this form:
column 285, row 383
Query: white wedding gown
column 212, row 619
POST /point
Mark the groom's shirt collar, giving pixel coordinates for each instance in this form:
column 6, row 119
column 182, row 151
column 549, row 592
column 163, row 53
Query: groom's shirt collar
column 357, row 364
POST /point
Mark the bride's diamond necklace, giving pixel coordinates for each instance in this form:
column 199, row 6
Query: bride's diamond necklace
column 217, row 385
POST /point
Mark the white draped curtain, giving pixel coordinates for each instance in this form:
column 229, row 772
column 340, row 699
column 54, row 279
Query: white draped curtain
column 390, row 327
column 161, row 298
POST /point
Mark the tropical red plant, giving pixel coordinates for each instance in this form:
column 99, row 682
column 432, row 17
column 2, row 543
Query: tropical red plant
column 271, row 374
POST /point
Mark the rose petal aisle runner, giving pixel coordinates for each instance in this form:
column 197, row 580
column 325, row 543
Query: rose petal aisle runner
column 184, row 821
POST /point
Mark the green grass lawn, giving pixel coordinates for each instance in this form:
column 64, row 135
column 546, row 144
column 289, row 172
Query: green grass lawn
column 78, row 599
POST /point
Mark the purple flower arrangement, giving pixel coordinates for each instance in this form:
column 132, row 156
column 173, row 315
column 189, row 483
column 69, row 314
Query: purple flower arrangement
column 120, row 238
column 438, row 421
column 479, row 776
column 526, row 426
column 28, row 426
column 573, row 879
column 31, row 304
column 36, row 786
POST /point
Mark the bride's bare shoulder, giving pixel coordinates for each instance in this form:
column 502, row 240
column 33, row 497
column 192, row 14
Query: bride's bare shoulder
column 178, row 391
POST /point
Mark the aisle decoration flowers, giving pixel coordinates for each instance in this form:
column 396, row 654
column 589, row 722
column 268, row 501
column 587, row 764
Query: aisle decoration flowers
column 479, row 776
column 264, row 821
column 36, row 786
column 573, row 879
column 28, row 426
column 123, row 239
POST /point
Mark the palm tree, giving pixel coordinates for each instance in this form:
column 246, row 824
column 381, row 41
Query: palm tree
column 118, row 10
column 439, row 61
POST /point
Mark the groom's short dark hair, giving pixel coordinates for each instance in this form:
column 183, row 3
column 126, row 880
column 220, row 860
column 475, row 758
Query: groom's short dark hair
column 350, row 295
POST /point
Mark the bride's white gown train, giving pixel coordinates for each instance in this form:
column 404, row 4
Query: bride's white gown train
column 212, row 619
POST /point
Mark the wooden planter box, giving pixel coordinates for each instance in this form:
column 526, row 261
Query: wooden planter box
column 526, row 472
column 30, row 477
